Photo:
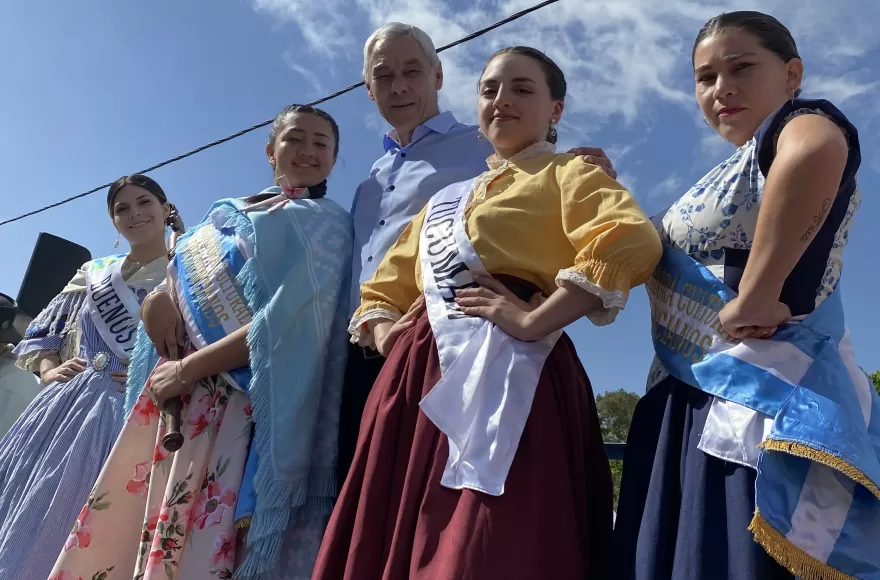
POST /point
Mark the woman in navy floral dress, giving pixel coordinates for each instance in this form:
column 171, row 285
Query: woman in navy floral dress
column 771, row 222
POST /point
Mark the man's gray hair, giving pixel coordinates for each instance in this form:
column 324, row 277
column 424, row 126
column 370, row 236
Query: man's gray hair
column 394, row 30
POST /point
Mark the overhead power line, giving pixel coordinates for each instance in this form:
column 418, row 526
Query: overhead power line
column 339, row 93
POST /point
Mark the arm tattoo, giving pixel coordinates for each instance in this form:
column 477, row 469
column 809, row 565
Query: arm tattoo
column 817, row 220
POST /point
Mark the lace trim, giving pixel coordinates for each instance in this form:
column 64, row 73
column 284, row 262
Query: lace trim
column 31, row 361
column 613, row 301
column 805, row 111
column 356, row 327
column 498, row 166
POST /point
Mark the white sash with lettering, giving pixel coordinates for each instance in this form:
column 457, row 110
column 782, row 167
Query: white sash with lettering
column 484, row 396
column 114, row 308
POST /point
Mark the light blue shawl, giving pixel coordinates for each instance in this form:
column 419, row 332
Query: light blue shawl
column 295, row 285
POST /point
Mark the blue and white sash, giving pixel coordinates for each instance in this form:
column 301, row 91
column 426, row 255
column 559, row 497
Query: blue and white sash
column 211, row 300
column 485, row 394
column 113, row 306
column 817, row 497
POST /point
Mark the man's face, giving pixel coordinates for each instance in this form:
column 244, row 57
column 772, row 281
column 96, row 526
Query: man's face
column 403, row 83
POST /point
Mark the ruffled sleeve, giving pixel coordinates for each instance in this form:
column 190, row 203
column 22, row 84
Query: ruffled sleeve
column 51, row 332
column 617, row 246
column 394, row 287
column 768, row 134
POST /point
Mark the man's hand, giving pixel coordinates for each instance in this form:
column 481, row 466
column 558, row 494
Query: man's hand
column 595, row 156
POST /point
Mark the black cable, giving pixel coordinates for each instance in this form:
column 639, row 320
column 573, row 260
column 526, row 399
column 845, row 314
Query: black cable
column 339, row 93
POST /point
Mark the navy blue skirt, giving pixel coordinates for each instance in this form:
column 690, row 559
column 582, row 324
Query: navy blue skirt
column 682, row 514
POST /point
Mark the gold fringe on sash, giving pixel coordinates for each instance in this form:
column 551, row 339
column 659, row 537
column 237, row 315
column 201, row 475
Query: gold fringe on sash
column 801, row 450
column 243, row 524
column 790, row 556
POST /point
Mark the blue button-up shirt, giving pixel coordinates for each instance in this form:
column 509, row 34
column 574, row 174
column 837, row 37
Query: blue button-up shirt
column 443, row 151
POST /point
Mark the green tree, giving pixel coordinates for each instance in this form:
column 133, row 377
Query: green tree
column 875, row 378
column 615, row 409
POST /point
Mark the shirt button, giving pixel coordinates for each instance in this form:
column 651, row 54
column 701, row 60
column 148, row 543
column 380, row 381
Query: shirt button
column 390, row 188
column 370, row 259
column 382, row 222
column 403, row 154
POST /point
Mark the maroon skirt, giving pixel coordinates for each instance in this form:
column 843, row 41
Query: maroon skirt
column 394, row 521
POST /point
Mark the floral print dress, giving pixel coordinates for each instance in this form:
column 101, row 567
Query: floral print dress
column 185, row 501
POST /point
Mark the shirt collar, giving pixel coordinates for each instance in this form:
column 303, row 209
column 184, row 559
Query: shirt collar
column 441, row 123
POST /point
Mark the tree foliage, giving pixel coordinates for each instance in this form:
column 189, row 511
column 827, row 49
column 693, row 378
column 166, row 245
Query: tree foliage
column 615, row 409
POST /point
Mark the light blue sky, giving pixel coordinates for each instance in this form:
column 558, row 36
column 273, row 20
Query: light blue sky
column 93, row 90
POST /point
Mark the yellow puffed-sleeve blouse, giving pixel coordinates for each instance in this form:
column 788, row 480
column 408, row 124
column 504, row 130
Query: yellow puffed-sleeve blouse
column 547, row 220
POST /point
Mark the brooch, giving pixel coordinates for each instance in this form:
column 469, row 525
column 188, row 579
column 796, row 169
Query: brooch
column 101, row 361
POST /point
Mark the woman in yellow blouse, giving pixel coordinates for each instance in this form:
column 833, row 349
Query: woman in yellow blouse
column 479, row 453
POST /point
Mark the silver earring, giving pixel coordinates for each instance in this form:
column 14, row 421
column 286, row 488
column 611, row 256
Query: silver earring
column 705, row 120
column 480, row 134
column 552, row 133
column 116, row 243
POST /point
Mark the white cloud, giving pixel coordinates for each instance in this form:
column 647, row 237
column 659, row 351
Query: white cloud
column 629, row 181
column 623, row 58
column 669, row 189
column 712, row 146
column 308, row 75
column 325, row 24
column 374, row 122
column 837, row 89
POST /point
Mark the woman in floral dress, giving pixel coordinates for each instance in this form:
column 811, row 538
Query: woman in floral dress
column 258, row 294
column 771, row 223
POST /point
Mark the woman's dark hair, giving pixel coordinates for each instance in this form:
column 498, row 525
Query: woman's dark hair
column 139, row 180
column 772, row 34
column 552, row 74
column 280, row 123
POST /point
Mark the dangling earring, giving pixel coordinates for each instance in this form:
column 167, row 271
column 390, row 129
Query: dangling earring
column 116, row 243
column 705, row 120
column 480, row 134
column 552, row 134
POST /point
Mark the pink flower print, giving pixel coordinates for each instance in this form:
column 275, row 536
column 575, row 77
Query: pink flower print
column 156, row 562
column 154, row 521
column 212, row 504
column 224, row 551
column 202, row 413
column 81, row 536
column 248, row 411
column 140, row 481
column 144, row 411
column 65, row 575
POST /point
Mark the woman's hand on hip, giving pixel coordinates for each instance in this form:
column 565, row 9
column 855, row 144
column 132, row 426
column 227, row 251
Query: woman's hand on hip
column 494, row 302
column 63, row 372
column 386, row 332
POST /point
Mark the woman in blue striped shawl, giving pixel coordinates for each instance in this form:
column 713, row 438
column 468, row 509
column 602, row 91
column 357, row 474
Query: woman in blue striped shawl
column 79, row 345
column 255, row 293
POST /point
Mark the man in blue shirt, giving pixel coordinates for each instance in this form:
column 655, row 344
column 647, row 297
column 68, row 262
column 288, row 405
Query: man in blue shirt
column 426, row 151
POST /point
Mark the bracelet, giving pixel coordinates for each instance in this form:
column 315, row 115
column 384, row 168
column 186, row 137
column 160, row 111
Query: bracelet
column 177, row 368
